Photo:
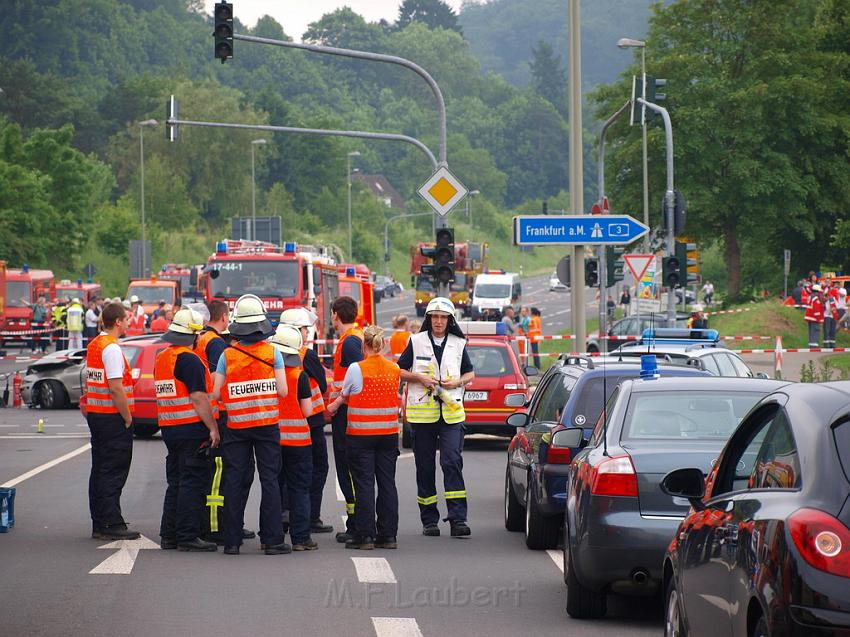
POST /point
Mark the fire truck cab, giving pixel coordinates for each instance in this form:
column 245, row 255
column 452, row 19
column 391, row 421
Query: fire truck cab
column 356, row 281
column 78, row 290
column 23, row 287
column 153, row 290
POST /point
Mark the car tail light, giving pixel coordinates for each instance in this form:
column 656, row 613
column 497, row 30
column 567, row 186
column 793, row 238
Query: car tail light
column 559, row 455
column 615, row 476
column 822, row 540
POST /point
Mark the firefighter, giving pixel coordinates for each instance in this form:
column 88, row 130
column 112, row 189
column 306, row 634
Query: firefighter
column 535, row 331
column 349, row 350
column 436, row 367
column 58, row 319
column 187, row 422
column 305, row 321
column 209, row 347
column 136, row 326
column 296, row 472
column 74, row 322
column 370, row 389
column 109, row 397
column 814, row 314
column 398, row 341
column 249, row 379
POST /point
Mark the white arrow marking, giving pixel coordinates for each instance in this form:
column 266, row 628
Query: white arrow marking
column 121, row 563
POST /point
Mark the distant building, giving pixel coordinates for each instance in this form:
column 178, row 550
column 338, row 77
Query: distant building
column 382, row 189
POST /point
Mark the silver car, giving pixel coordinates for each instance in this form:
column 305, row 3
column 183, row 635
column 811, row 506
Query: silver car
column 55, row 381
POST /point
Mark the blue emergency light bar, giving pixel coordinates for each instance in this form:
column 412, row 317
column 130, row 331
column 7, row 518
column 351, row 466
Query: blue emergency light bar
column 649, row 367
column 349, row 271
column 221, row 247
column 289, row 247
column 679, row 334
column 25, row 267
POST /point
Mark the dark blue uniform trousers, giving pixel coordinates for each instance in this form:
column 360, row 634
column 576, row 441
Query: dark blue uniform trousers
column 111, row 455
column 372, row 459
column 187, row 473
column 296, row 475
column 319, row 451
column 339, row 423
column 427, row 439
column 238, row 450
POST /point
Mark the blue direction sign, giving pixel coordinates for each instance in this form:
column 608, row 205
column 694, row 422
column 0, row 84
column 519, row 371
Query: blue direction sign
column 546, row 230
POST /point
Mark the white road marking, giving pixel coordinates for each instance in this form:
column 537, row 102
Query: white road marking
column 121, row 563
column 46, row 466
column 43, row 436
column 559, row 312
column 374, row 570
column 344, row 519
column 9, row 426
column 46, row 425
column 406, row 454
column 557, row 557
column 339, row 496
column 396, row 627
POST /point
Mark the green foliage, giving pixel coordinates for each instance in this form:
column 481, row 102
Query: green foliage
column 826, row 371
column 118, row 223
column 435, row 14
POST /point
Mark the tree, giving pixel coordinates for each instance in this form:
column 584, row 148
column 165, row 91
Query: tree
column 548, row 76
column 435, row 14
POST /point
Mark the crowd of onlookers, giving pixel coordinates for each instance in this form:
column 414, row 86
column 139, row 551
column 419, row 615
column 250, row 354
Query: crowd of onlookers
column 824, row 305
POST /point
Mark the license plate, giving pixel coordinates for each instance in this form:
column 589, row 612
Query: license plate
column 475, row 395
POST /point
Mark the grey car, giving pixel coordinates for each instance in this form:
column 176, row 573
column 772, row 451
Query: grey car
column 618, row 522
column 55, row 381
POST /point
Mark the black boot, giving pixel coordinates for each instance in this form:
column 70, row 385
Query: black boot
column 460, row 528
column 317, row 526
column 198, row 546
column 388, row 542
column 361, row 543
column 431, row 530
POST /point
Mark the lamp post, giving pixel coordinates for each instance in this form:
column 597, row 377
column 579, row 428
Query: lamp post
column 469, row 195
column 254, row 143
column 147, row 122
column 629, row 43
column 353, row 153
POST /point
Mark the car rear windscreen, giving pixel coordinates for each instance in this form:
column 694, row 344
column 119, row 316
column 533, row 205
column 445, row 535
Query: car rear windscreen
column 490, row 361
column 841, row 433
column 696, row 415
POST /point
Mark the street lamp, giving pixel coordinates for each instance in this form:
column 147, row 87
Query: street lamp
column 147, row 122
column 256, row 142
column 353, row 153
column 469, row 195
column 629, row 43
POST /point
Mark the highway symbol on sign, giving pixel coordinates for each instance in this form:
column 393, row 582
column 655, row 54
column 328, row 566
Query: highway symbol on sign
column 541, row 230
column 638, row 263
column 443, row 191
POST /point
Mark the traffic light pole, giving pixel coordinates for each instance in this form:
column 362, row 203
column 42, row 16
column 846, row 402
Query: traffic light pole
column 669, row 203
column 603, row 261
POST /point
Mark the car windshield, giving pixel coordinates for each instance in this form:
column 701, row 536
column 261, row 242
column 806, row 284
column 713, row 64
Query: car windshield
column 277, row 279
column 423, row 284
column 459, row 284
column 686, row 415
column 383, row 280
column 15, row 291
column 350, row 288
column 132, row 354
column 151, row 294
column 490, row 361
column 493, row 290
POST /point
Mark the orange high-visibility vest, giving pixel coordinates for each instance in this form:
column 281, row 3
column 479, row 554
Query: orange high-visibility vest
column 201, row 350
column 317, row 401
column 173, row 403
column 98, row 396
column 535, row 329
column 136, row 327
column 339, row 370
column 250, row 390
column 374, row 411
column 398, row 342
column 294, row 430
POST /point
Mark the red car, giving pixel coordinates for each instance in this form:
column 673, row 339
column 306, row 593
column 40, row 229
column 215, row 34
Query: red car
column 141, row 353
column 498, row 374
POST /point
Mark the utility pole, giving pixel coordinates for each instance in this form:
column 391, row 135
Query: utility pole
column 576, row 174
column 147, row 122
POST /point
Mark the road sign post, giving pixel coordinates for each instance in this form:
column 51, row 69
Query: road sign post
column 787, row 269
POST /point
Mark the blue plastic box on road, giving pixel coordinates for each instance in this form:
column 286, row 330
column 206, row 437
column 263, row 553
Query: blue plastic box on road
column 7, row 509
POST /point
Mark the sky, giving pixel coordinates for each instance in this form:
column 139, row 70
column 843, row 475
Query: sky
column 295, row 15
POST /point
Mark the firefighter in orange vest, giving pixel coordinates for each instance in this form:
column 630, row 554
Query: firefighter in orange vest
column 814, row 314
column 187, row 422
column 349, row 350
column 209, row 347
column 136, row 326
column 296, row 460
column 370, row 389
column 249, row 380
column 535, row 331
column 109, row 399
column 398, row 341
column 305, row 320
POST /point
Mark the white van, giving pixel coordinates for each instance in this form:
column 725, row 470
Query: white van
column 493, row 292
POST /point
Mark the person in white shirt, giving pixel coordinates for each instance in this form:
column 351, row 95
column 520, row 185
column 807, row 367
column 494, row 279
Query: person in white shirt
column 91, row 321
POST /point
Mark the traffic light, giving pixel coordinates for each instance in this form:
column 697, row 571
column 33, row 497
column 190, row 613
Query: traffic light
column 444, row 256
column 637, row 109
column 591, row 272
column 671, row 271
column 653, row 95
column 614, row 264
column 223, row 33
column 427, row 269
column 688, row 256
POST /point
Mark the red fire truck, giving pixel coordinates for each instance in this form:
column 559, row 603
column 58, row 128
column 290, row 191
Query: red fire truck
column 152, row 290
column 285, row 276
column 84, row 291
column 23, row 287
column 356, row 281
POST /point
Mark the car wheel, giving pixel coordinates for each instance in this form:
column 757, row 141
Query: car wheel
column 513, row 508
column 51, row 395
column 541, row 532
column 406, row 436
column 145, row 431
column 761, row 628
column 593, row 349
column 582, row 603
column 673, row 625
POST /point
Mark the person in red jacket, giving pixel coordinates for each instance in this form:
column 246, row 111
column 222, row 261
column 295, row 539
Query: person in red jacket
column 814, row 314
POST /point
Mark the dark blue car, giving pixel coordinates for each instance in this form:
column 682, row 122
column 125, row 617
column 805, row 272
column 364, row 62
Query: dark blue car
column 570, row 394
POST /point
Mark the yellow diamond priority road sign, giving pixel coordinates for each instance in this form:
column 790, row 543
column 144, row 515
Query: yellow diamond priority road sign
column 443, row 191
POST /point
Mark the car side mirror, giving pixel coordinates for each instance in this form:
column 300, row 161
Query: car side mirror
column 530, row 371
column 515, row 400
column 572, row 437
column 686, row 483
column 517, row 419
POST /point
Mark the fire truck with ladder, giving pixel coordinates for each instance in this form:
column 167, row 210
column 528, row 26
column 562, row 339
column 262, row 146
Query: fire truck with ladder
column 470, row 261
